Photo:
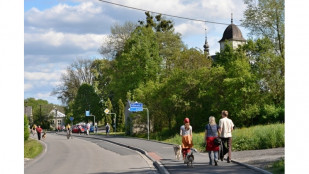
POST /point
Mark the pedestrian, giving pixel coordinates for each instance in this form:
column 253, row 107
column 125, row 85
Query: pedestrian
column 211, row 132
column 58, row 128
column 107, row 127
column 39, row 131
column 33, row 129
column 96, row 128
column 226, row 127
column 63, row 128
column 88, row 128
column 186, row 134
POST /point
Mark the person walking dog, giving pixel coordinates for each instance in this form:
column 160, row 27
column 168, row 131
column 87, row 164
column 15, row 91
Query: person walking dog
column 226, row 127
column 186, row 134
column 39, row 131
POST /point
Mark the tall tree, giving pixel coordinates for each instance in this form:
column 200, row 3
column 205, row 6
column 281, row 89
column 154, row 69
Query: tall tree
column 77, row 73
column 266, row 18
column 114, row 43
column 109, row 117
column 120, row 116
column 86, row 100
column 138, row 63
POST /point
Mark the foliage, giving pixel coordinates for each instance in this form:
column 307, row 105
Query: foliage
column 108, row 118
column 252, row 138
column 32, row 148
column 41, row 111
column 114, row 44
column 120, row 116
column 77, row 73
column 277, row 167
column 86, row 100
column 26, row 128
column 266, row 19
column 140, row 52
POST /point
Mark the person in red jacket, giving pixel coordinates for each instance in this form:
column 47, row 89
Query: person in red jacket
column 39, row 131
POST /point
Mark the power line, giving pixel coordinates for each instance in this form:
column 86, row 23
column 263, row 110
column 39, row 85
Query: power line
column 180, row 17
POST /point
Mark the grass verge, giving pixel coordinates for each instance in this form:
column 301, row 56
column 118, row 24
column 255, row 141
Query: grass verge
column 276, row 167
column 32, row 148
column 252, row 138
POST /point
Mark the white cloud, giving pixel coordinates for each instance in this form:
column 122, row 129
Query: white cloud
column 58, row 39
column 43, row 95
column 28, row 86
column 41, row 76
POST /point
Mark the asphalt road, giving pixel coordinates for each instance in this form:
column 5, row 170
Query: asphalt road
column 92, row 157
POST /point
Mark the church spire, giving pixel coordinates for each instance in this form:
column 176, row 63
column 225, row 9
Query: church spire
column 206, row 45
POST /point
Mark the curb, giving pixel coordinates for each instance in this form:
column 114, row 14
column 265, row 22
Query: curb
column 158, row 165
column 252, row 167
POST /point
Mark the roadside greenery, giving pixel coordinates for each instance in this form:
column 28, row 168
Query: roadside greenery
column 277, row 167
column 26, row 128
column 251, row 138
column 32, row 148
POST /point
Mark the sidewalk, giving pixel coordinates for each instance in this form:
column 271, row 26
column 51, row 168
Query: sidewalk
column 259, row 158
column 163, row 154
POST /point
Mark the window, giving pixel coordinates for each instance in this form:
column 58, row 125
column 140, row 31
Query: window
column 59, row 122
column 53, row 122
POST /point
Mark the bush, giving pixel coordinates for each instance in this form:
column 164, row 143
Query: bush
column 26, row 128
column 259, row 137
column 252, row 138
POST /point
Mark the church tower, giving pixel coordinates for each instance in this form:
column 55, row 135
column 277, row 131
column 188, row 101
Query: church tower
column 206, row 45
column 233, row 35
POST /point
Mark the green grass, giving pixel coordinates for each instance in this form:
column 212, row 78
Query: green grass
column 259, row 137
column 277, row 167
column 252, row 138
column 32, row 148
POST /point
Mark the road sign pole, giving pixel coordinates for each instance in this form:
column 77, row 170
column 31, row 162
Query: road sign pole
column 147, row 121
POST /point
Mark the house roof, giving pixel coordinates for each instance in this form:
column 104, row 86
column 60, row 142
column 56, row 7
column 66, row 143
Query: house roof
column 232, row 33
column 59, row 114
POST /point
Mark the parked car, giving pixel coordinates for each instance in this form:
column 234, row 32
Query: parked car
column 78, row 129
column 91, row 128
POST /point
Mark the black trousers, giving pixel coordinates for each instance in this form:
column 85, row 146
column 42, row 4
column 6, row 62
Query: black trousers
column 39, row 135
column 228, row 141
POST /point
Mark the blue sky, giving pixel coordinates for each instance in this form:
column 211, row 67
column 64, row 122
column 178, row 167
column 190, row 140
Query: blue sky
column 57, row 32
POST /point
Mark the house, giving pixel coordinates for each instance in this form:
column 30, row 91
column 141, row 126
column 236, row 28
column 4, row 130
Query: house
column 58, row 119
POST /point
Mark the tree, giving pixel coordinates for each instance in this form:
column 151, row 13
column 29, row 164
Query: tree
column 109, row 117
column 86, row 100
column 103, row 70
column 77, row 73
column 114, row 44
column 40, row 111
column 138, row 63
column 26, row 128
column 266, row 19
column 120, row 116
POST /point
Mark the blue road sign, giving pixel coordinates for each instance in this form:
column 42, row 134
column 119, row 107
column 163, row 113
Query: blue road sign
column 87, row 113
column 71, row 118
column 136, row 107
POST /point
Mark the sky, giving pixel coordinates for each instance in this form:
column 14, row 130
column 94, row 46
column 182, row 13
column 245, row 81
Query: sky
column 57, row 32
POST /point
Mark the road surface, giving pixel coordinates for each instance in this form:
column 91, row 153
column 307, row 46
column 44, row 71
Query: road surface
column 79, row 156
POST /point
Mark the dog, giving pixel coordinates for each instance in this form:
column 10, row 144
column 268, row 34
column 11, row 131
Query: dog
column 44, row 135
column 190, row 158
column 177, row 151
